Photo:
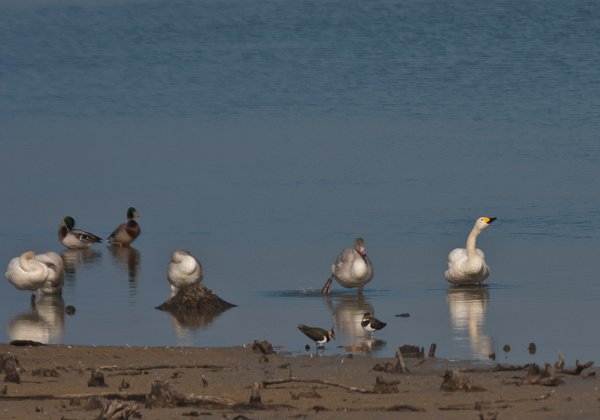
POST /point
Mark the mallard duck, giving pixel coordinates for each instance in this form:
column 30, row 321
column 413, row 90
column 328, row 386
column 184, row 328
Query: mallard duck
column 467, row 265
column 75, row 238
column 319, row 335
column 184, row 269
column 126, row 233
column 371, row 324
column 352, row 268
column 43, row 272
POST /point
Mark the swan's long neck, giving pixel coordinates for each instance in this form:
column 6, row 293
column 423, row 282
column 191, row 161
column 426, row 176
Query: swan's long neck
column 472, row 242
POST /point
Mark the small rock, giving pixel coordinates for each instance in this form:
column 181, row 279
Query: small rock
column 403, row 315
column 255, row 398
column 70, row 309
column 506, row 348
column 454, row 380
column 532, row 348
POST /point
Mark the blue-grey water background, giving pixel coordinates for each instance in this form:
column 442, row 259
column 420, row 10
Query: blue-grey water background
column 265, row 136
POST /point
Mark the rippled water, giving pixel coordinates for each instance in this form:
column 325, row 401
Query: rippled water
column 265, row 136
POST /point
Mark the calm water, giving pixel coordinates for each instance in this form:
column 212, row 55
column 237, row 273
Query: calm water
column 265, row 136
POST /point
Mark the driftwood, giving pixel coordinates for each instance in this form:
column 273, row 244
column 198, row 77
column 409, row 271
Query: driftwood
column 116, row 409
column 537, row 376
column 397, row 366
column 263, row 346
column 577, row 369
column 255, row 398
column 383, row 386
column 9, row 364
column 267, row 383
column 162, row 395
column 454, row 380
column 96, row 378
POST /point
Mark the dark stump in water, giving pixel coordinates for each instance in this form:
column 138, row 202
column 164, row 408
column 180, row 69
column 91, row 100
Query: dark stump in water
column 195, row 305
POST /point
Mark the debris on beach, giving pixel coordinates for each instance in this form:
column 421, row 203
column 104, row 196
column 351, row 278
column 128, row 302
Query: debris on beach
column 163, row 395
column 402, row 315
column 116, row 409
column 96, row 379
column 506, row 348
column 255, row 398
column 397, row 366
column 195, row 305
column 263, row 346
column 383, row 386
column 9, row 364
column 411, row 351
column 25, row 343
column 454, row 380
column 537, row 376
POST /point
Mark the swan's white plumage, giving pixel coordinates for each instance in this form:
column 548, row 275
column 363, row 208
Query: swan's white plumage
column 467, row 265
column 352, row 268
column 184, row 269
column 26, row 273
column 43, row 272
column 55, row 280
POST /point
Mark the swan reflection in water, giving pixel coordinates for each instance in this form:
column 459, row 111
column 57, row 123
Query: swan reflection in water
column 44, row 322
column 348, row 312
column 127, row 257
column 72, row 258
column 468, row 307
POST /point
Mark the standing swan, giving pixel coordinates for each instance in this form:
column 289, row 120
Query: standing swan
column 352, row 268
column 126, row 233
column 467, row 266
column 184, row 269
column 75, row 238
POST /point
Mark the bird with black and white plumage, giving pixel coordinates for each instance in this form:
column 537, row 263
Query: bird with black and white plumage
column 126, row 233
column 320, row 336
column 75, row 238
column 371, row 324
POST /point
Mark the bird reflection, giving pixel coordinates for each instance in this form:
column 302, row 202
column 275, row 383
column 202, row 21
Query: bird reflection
column 468, row 306
column 348, row 312
column 44, row 322
column 185, row 322
column 128, row 257
column 75, row 257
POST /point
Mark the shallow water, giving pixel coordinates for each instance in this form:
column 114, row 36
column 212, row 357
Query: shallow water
column 264, row 138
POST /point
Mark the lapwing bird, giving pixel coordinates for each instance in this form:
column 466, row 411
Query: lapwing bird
column 319, row 335
column 126, row 233
column 352, row 268
column 371, row 324
column 75, row 238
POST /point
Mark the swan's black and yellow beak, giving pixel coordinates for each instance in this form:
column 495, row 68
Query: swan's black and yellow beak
column 489, row 220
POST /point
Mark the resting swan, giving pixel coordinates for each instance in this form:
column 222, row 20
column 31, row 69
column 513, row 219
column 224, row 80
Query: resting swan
column 32, row 272
column 467, row 265
column 352, row 268
column 184, row 269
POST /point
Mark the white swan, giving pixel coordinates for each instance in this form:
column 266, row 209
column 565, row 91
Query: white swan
column 352, row 268
column 26, row 273
column 56, row 274
column 467, row 265
column 184, row 269
column 32, row 272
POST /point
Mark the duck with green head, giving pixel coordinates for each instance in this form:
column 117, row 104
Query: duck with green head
column 126, row 233
column 75, row 238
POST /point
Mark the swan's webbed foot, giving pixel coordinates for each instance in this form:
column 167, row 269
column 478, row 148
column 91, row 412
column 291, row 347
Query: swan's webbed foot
column 326, row 289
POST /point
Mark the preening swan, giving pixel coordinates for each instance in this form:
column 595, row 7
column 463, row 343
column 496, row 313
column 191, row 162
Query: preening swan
column 75, row 238
column 184, row 269
column 352, row 268
column 467, row 265
column 56, row 276
column 126, row 233
column 32, row 272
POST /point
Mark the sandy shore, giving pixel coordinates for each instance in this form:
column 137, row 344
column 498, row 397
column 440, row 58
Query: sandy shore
column 54, row 382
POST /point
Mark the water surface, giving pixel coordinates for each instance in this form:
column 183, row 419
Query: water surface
column 265, row 137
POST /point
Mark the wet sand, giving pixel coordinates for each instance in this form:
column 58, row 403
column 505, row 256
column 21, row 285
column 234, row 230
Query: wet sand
column 218, row 382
